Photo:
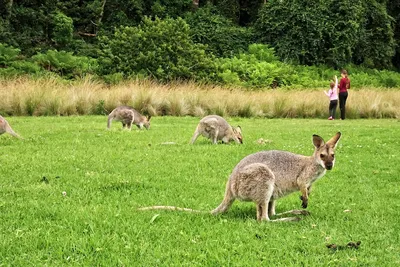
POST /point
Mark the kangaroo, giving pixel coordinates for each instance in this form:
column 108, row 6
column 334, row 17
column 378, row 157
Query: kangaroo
column 128, row 116
column 6, row 128
column 266, row 176
column 217, row 128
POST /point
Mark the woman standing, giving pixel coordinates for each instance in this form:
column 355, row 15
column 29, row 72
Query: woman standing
column 344, row 85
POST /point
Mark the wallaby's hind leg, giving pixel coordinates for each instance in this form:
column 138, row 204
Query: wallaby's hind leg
column 109, row 120
column 262, row 211
column 214, row 135
column 271, row 208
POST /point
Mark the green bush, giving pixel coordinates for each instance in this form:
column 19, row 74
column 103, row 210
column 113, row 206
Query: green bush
column 222, row 37
column 329, row 32
column 65, row 63
column 161, row 49
column 63, row 29
column 258, row 67
column 8, row 54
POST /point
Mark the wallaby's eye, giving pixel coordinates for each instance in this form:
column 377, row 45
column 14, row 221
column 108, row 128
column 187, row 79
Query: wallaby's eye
column 322, row 156
column 332, row 155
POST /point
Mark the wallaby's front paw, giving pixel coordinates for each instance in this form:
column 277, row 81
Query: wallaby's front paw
column 304, row 204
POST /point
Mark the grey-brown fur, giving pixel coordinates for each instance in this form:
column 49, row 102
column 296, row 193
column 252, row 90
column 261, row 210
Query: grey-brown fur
column 128, row 116
column 266, row 176
column 6, row 128
column 216, row 128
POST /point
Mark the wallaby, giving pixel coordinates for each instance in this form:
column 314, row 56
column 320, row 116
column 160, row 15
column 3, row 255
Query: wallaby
column 128, row 116
column 266, row 176
column 216, row 128
column 6, row 128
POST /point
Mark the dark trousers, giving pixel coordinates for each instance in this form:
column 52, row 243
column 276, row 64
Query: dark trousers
column 332, row 108
column 342, row 104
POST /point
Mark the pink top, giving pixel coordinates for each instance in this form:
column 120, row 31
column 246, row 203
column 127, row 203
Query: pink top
column 333, row 92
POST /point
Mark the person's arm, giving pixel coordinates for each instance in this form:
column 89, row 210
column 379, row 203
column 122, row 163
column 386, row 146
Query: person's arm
column 336, row 83
column 328, row 94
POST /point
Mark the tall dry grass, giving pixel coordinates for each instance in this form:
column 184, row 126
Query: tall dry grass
column 54, row 97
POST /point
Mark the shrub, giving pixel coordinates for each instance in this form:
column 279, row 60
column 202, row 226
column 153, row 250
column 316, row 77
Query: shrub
column 330, row 32
column 62, row 29
column 161, row 49
column 222, row 37
column 65, row 63
column 8, row 54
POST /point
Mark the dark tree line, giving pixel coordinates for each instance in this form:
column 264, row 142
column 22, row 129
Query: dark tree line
column 334, row 33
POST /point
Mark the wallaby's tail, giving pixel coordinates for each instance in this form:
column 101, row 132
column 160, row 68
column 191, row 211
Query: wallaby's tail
column 226, row 202
column 195, row 135
column 11, row 131
column 169, row 208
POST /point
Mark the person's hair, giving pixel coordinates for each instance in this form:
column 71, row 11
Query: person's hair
column 344, row 72
column 332, row 85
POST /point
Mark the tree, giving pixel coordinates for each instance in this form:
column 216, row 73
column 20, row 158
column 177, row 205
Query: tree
column 334, row 32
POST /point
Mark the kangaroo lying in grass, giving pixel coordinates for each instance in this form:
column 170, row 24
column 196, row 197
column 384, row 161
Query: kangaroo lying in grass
column 128, row 116
column 6, row 128
column 216, row 128
column 266, row 176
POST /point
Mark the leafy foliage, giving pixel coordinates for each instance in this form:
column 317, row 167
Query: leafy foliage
column 8, row 54
column 176, row 39
column 158, row 48
column 65, row 63
column 63, row 29
column 222, row 37
column 328, row 32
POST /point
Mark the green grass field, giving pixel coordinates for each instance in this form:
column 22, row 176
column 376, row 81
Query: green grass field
column 107, row 175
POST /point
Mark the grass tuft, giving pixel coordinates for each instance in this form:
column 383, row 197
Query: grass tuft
column 55, row 97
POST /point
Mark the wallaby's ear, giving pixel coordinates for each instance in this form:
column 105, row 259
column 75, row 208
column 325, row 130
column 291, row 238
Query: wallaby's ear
column 334, row 140
column 239, row 129
column 318, row 141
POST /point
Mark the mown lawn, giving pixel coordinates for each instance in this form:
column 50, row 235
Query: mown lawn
column 107, row 175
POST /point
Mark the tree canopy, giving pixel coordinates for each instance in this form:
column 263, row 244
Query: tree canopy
column 187, row 39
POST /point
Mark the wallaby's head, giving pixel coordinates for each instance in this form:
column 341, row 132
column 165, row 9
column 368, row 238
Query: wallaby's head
column 237, row 131
column 146, row 122
column 325, row 152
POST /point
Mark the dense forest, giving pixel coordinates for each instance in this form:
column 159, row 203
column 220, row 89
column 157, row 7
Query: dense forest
column 249, row 43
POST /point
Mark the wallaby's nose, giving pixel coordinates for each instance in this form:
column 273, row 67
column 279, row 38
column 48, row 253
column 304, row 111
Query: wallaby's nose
column 328, row 165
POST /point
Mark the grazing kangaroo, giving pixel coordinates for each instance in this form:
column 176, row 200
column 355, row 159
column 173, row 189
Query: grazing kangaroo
column 266, row 176
column 128, row 116
column 6, row 128
column 217, row 128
